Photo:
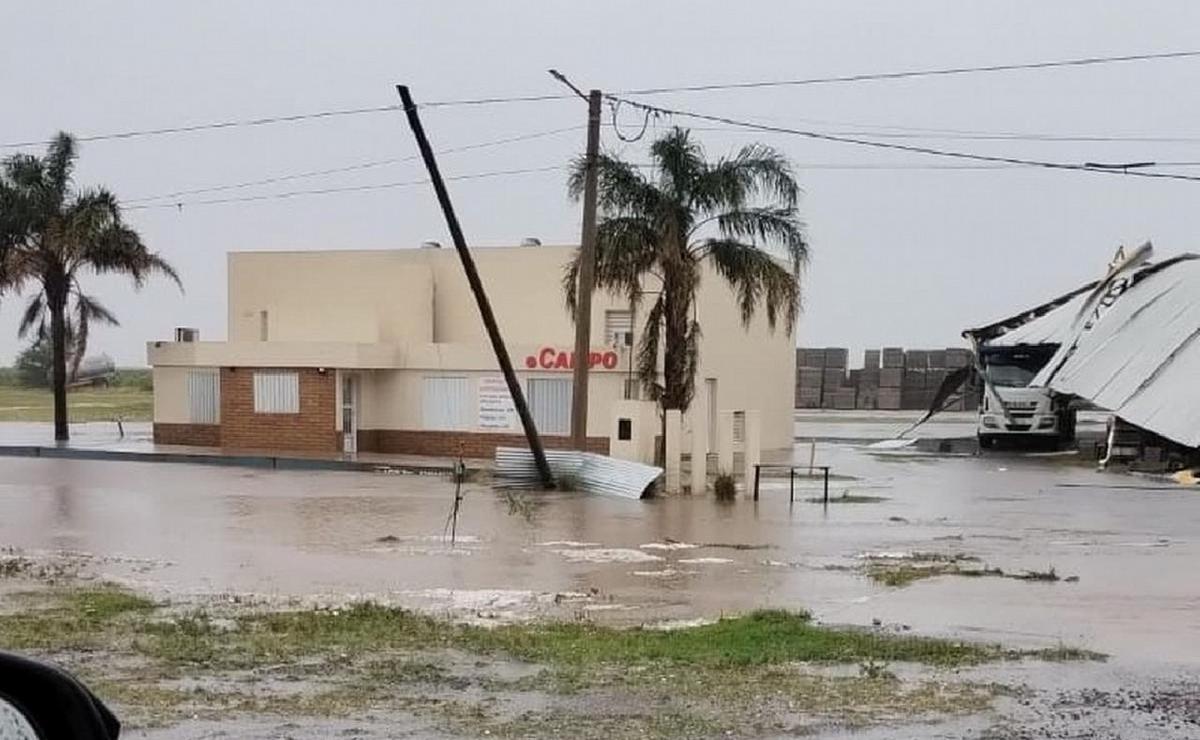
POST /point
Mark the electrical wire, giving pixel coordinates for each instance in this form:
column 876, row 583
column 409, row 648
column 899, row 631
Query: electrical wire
column 503, row 100
column 347, row 189
column 949, row 134
column 1105, row 169
column 350, row 168
column 875, row 76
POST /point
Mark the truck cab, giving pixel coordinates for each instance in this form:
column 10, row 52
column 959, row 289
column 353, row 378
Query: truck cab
column 1014, row 411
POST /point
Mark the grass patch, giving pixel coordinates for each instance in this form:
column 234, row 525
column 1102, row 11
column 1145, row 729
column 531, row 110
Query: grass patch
column 159, row 667
column 131, row 403
column 760, row 638
column 900, row 572
column 71, row 619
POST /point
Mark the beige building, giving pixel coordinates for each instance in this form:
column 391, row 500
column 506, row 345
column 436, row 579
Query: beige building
column 384, row 351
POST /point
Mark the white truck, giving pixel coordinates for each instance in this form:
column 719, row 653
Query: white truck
column 1012, row 410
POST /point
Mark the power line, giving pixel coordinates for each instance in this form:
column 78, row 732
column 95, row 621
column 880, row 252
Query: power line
column 993, row 136
column 875, row 76
column 348, row 189
column 911, row 148
column 503, row 100
column 349, row 168
column 294, row 118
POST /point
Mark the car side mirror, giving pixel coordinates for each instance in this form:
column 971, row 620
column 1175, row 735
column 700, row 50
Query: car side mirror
column 39, row 701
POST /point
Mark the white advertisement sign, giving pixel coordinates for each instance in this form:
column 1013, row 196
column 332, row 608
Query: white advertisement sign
column 496, row 409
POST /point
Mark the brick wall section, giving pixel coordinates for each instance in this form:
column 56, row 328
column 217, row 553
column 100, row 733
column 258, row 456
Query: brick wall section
column 311, row 430
column 195, row 435
column 478, row 445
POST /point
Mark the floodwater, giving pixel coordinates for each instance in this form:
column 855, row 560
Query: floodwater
column 197, row 531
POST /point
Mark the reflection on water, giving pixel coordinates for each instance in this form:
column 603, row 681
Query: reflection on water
column 339, row 534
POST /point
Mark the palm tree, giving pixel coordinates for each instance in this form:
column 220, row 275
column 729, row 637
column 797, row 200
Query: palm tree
column 737, row 214
column 50, row 233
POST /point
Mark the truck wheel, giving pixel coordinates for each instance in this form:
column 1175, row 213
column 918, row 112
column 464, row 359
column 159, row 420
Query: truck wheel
column 987, row 441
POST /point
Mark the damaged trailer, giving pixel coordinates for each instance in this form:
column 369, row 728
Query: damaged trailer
column 1133, row 351
column 1126, row 344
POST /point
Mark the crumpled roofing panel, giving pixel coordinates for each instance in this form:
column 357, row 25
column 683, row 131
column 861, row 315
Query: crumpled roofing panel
column 1052, row 328
column 1141, row 358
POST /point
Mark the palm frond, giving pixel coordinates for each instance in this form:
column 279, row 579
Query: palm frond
column 621, row 189
column 119, row 249
column 767, row 227
column 34, row 314
column 757, row 279
column 626, row 250
column 87, row 306
column 756, row 171
column 60, row 163
column 647, row 351
column 24, row 171
column 679, row 160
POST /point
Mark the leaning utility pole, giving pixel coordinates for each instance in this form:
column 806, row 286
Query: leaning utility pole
column 481, row 299
column 587, row 269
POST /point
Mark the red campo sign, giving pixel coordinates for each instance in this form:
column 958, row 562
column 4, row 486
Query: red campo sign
column 549, row 358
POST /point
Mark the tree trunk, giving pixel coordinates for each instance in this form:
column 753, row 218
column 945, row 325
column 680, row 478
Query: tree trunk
column 676, row 307
column 56, row 299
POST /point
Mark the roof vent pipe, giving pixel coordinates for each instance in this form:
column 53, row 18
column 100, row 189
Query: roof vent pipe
column 531, row 241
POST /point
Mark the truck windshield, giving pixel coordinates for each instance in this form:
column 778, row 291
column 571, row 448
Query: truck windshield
column 1010, row 376
column 1015, row 367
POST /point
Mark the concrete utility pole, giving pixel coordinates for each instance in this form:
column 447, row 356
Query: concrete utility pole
column 587, row 279
column 481, row 299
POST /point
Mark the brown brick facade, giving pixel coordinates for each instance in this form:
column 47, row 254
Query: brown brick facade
column 311, row 430
column 479, row 445
column 195, row 435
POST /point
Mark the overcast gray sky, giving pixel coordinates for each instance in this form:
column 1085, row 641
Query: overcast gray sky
column 901, row 254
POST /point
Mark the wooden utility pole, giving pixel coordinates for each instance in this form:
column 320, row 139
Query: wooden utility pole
column 481, row 299
column 587, row 279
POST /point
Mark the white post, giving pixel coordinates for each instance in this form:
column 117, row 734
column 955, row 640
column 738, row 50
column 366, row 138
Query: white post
column 725, row 442
column 674, row 450
column 751, row 442
column 699, row 416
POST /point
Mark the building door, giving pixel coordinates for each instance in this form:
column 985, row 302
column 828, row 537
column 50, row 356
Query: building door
column 349, row 413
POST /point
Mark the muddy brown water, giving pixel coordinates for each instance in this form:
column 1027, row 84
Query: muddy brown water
column 195, row 531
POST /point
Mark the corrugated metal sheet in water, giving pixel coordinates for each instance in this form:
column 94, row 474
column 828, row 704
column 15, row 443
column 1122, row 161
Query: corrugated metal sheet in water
column 1141, row 358
column 594, row 473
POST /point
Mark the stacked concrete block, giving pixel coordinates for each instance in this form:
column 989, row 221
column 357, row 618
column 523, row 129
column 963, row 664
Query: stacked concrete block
column 892, row 357
column 937, row 359
column 837, row 357
column 916, row 359
column 810, row 357
column 841, row 399
column 891, row 377
column 808, row 387
column 871, row 358
column 867, row 397
column 957, row 357
column 888, row 398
